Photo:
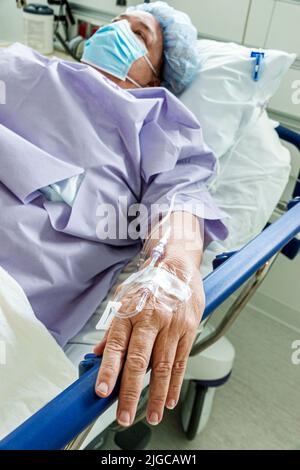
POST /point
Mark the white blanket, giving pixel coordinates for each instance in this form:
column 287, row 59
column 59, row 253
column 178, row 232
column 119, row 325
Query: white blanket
column 33, row 368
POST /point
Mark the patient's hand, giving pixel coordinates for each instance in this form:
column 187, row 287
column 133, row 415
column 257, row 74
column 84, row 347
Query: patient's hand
column 154, row 337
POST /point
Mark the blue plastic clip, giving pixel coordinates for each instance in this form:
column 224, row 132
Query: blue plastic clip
column 222, row 257
column 88, row 362
column 258, row 56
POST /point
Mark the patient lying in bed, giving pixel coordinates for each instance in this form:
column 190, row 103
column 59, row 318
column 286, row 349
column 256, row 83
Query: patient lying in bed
column 130, row 152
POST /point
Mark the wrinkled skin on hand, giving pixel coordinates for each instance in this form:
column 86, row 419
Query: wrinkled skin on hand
column 156, row 337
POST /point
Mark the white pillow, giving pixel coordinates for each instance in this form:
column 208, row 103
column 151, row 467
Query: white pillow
column 224, row 97
column 251, row 180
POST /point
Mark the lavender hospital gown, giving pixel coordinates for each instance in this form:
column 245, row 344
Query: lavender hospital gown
column 62, row 119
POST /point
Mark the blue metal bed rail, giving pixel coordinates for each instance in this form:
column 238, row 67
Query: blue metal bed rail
column 77, row 407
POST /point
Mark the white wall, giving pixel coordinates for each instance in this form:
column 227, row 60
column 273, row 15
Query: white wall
column 11, row 24
column 108, row 6
column 203, row 12
column 279, row 295
column 10, row 21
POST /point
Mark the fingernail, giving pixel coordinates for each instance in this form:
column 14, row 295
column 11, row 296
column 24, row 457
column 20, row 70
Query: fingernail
column 124, row 418
column 102, row 388
column 153, row 418
column 171, row 404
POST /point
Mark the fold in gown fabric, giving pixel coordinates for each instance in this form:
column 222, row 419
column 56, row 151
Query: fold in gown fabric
column 63, row 119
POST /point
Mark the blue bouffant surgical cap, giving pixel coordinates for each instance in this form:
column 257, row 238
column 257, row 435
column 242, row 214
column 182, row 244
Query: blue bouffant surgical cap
column 181, row 62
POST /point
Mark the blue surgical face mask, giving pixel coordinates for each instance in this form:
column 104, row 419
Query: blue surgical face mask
column 114, row 48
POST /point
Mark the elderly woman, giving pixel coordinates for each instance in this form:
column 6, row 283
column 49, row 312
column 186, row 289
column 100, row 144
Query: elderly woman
column 82, row 152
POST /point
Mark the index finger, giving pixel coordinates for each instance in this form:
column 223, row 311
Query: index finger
column 113, row 356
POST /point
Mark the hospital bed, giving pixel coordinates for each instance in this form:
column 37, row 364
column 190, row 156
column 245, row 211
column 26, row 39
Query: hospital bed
column 77, row 417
